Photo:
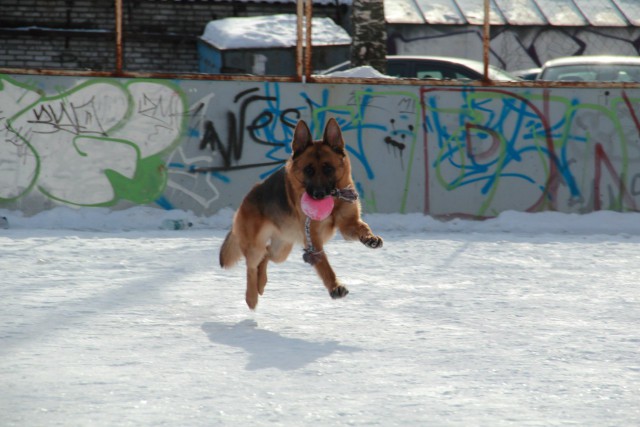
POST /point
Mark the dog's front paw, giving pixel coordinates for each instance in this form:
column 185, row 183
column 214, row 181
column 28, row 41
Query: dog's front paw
column 339, row 292
column 372, row 242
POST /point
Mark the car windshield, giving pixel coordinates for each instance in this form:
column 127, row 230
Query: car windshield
column 593, row 73
column 496, row 73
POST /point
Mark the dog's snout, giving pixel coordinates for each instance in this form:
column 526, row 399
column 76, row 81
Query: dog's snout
column 318, row 194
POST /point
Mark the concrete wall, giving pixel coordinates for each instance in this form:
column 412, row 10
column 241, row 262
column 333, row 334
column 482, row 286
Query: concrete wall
column 199, row 146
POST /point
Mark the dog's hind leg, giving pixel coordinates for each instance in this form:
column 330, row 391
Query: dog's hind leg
column 278, row 251
column 255, row 258
column 262, row 274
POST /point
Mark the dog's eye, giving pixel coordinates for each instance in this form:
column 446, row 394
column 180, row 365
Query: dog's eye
column 328, row 170
column 309, row 171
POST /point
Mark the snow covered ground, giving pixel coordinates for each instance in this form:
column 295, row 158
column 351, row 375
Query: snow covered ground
column 525, row 320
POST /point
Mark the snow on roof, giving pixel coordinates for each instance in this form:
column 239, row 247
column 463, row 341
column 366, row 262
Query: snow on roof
column 521, row 12
column 441, row 11
column 270, row 31
column 600, row 13
column 630, row 9
column 474, row 13
column 402, row 12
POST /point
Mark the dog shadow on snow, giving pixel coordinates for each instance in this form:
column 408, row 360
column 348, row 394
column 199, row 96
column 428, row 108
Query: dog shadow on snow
column 268, row 349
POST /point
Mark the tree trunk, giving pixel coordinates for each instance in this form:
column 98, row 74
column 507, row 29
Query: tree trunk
column 369, row 46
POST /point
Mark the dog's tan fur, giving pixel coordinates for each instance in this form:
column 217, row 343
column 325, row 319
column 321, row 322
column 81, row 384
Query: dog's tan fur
column 270, row 220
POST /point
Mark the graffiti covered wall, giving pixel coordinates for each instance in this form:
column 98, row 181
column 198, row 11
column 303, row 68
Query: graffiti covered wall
column 199, row 146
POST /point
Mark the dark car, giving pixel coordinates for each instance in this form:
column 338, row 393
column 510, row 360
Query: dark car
column 592, row 68
column 527, row 74
column 434, row 67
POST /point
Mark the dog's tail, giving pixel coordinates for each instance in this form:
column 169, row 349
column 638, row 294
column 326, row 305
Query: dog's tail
column 230, row 252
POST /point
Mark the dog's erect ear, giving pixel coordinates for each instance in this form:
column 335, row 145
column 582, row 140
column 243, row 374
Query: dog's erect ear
column 333, row 136
column 301, row 138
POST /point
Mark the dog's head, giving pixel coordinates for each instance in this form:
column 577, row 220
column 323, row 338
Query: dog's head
column 319, row 166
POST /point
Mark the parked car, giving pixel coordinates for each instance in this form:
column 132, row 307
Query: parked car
column 527, row 74
column 592, row 68
column 434, row 67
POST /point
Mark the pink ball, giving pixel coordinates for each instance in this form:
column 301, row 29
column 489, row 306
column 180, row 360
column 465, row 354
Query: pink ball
column 316, row 209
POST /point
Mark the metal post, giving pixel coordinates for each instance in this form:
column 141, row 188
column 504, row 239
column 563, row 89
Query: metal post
column 299, row 39
column 486, row 39
column 307, row 52
column 118, row 4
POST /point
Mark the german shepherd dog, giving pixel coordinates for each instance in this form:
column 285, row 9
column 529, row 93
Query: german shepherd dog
column 270, row 219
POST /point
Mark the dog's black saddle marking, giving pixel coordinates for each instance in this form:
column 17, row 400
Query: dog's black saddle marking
column 270, row 196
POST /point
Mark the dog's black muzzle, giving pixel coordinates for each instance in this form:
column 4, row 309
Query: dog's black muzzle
column 319, row 193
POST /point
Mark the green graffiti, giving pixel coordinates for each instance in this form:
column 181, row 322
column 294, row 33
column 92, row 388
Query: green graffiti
column 146, row 186
column 93, row 144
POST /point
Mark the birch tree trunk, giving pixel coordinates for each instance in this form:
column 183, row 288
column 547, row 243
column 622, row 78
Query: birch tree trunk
column 369, row 46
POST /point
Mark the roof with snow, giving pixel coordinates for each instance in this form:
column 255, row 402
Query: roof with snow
column 270, row 31
column 599, row 13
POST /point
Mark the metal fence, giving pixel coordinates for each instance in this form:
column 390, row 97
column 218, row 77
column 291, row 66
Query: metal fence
column 570, row 27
